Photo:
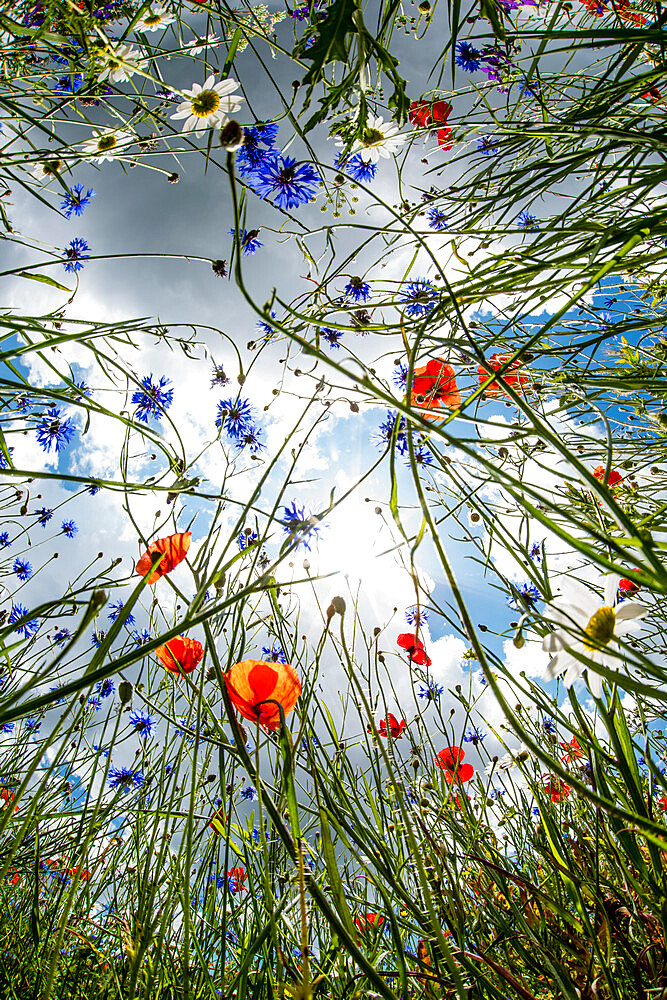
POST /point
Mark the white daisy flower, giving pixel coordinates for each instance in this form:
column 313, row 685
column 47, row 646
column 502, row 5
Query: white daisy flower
column 208, row 106
column 121, row 63
column 198, row 45
column 589, row 627
column 156, row 17
column 107, row 143
column 47, row 169
column 380, row 139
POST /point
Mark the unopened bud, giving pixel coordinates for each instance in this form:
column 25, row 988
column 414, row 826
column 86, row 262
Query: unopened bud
column 125, row 692
column 231, row 136
column 338, row 604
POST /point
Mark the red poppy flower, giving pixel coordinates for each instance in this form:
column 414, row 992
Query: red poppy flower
column 663, row 801
column 653, row 95
column 496, row 361
column 614, row 477
column 14, row 878
column 7, row 796
column 175, row 549
column 180, row 654
column 444, row 138
column 628, row 587
column 626, row 13
column 390, row 727
column 425, row 113
column 574, row 751
column 449, row 760
column 414, row 648
column 83, row 873
column 367, row 920
column 253, row 681
column 556, row 789
column 219, row 821
column 435, row 385
column 237, row 878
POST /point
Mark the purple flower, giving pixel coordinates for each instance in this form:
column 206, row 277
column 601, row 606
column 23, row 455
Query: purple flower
column 467, row 57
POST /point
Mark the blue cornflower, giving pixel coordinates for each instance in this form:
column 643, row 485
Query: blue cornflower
column 4, row 539
column 423, row 455
column 487, row 145
column 55, row 431
column 550, row 726
column 298, row 524
column 274, row 654
column 115, row 610
column 535, row 553
column 33, row 725
column 4, row 464
column 385, row 432
column 143, row 724
column 250, row 438
column 236, row 415
column 474, row 735
column 105, row 688
column 331, row 336
column 399, row 377
column 153, row 399
column 7, row 727
column 497, row 793
column 420, row 296
column 96, row 637
column 93, row 489
column 75, row 200
column 437, row 219
column 75, row 252
column 527, row 222
column 609, row 302
column 358, row 290
column 44, row 516
column 26, row 628
column 61, row 635
column 23, row 569
column 142, row 637
column 249, row 794
column 295, row 184
column 527, row 594
column 416, row 616
column 481, row 677
column 430, row 693
column 263, row 327
column 69, row 529
column 82, row 389
column 124, row 779
column 266, row 132
column 69, row 84
column 250, row 157
column 95, row 703
column 248, row 240
column 467, row 57
column 357, row 168
column 246, row 537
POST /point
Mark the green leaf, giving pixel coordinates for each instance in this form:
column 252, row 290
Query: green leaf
column 46, row 281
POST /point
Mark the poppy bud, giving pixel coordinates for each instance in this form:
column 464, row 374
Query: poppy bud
column 125, row 692
column 338, row 604
column 231, row 136
column 98, row 599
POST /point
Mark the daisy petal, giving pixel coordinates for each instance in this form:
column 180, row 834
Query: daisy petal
column 629, row 610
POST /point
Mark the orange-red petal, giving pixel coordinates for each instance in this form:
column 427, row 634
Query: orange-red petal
column 181, row 651
column 253, row 681
column 175, row 548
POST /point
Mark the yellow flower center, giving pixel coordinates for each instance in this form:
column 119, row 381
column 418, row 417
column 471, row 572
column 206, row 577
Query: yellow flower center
column 372, row 137
column 600, row 628
column 205, row 104
column 106, row 142
column 52, row 166
column 151, row 18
